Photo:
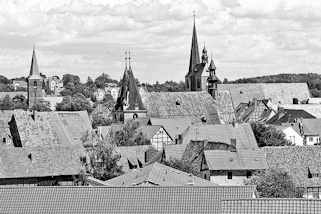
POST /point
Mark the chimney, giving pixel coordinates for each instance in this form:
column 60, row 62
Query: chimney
column 190, row 180
column 295, row 101
column 233, row 145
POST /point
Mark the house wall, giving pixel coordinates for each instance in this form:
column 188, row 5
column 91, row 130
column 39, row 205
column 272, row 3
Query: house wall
column 311, row 140
column 221, row 177
column 293, row 136
column 161, row 138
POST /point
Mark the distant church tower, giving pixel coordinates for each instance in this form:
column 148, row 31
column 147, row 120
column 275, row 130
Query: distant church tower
column 34, row 82
column 197, row 78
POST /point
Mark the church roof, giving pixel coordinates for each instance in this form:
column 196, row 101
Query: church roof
column 34, row 70
column 128, row 95
column 194, row 57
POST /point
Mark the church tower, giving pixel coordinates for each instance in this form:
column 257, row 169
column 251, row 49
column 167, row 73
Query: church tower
column 212, row 79
column 34, row 82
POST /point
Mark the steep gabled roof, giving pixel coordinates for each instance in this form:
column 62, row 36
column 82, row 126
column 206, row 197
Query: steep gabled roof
column 40, row 161
column 270, row 206
column 296, row 160
column 124, row 200
column 174, row 126
column 158, row 174
column 128, row 95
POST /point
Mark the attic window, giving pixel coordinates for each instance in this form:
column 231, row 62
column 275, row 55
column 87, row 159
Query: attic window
column 178, row 102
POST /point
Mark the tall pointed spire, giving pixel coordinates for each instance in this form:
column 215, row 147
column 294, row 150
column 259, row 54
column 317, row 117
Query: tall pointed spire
column 34, row 70
column 129, row 58
column 194, row 57
column 126, row 60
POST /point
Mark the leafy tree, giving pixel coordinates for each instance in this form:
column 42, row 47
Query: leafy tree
column 102, row 80
column 267, row 135
column 67, row 78
column 20, row 102
column 6, row 103
column 182, row 165
column 128, row 135
column 41, row 107
column 103, row 160
column 77, row 102
column 274, row 183
column 4, row 80
column 225, row 81
column 100, row 120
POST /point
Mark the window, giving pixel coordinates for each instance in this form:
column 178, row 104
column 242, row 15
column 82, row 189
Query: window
column 34, row 83
column 229, row 175
column 310, row 139
column 248, row 174
column 4, row 140
column 198, row 83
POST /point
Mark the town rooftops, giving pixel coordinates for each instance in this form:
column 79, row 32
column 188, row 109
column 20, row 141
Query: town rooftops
column 122, row 200
column 193, row 105
column 313, row 109
column 270, row 206
column 24, row 162
column 288, row 116
column 223, row 133
column 298, row 161
column 282, row 93
column 240, row 160
column 174, row 126
column 157, row 174
column 149, row 131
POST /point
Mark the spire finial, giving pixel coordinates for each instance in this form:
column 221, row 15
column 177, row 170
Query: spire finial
column 129, row 58
column 34, row 47
column 126, row 59
column 194, row 15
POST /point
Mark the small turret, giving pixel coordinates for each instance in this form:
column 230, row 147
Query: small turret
column 212, row 79
column 204, row 56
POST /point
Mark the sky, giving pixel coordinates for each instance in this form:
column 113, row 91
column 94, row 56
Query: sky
column 88, row 37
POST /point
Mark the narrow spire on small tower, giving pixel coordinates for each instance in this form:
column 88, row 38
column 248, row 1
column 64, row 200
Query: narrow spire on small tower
column 194, row 55
column 125, row 60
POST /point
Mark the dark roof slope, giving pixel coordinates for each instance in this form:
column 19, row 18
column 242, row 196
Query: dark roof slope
column 289, row 116
column 118, row 199
column 42, row 161
column 297, row 161
column 270, row 206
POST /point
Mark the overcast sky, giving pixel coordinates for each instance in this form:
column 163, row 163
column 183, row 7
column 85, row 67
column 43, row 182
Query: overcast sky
column 247, row 37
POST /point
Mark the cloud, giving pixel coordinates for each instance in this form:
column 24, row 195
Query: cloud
column 87, row 37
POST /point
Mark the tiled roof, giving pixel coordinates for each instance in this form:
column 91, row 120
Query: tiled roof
column 52, row 128
column 12, row 94
column 278, row 92
column 223, row 133
column 193, row 105
column 132, row 154
column 311, row 126
column 270, row 206
column 253, row 111
column 174, row 151
column 297, row 161
column 40, row 161
column 158, row 174
column 240, row 160
column 122, row 200
column 288, row 116
column 314, row 109
column 174, row 126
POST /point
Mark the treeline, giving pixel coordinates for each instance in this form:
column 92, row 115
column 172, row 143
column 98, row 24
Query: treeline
column 312, row 79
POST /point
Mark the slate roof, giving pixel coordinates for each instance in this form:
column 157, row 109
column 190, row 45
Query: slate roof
column 313, row 109
column 174, row 126
column 278, row 92
column 192, row 105
column 52, row 128
column 270, row 206
column 174, row 151
column 22, row 162
column 297, row 161
column 223, row 133
column 158, row 174
column 34, row 70
column 240, row 160
column 254, row 111
column 123, row 200
column 132, row 154
column 288, row 116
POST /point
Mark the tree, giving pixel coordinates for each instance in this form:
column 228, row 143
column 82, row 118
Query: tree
column 181, row 165
column 100, row 120
column 267, row 135
column 77, row 102
column 102, row 80
column 70, row 78
column 41, row 107
column 128, row 135
column 20, row 102
column 103, row 160
column 6, row 103
column 274, row 183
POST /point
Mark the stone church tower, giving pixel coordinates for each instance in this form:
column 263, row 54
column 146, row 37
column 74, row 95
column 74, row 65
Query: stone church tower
column 35, row 93
column 201, row 75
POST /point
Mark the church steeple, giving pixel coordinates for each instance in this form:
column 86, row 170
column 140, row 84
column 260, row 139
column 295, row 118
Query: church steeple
column 34, row 69
column 194, row 57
